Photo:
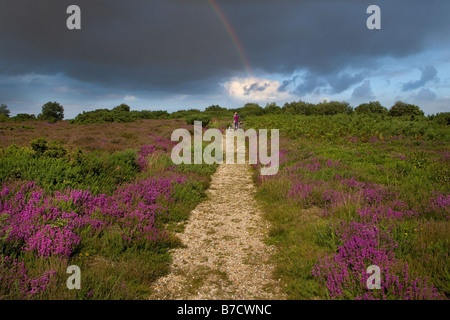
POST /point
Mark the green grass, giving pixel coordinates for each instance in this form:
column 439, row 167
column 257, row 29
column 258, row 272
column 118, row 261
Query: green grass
column 413, row 166
column 111, row 268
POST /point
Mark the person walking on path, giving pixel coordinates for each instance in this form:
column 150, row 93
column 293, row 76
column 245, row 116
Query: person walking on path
column 236, row 120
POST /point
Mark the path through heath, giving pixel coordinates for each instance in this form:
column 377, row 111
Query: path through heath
column 224, row 255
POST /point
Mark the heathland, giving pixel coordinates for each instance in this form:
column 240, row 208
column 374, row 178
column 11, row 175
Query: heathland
column 356, row 187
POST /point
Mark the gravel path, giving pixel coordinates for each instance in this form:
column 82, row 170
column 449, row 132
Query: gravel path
column 224, row 255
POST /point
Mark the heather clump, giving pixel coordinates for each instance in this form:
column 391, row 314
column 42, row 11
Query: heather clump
column 113, row 214
column 362, row 245
column 357, row 192
column 50, row 224
column 15, row 280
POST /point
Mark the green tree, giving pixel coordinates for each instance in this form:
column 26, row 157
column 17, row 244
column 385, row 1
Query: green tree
column 51, row 111
column 299, row 107
column 251, row 109
column 334, row 107
column 401, row 108
column 371, row 107
column 442, row 118
column 272, row 108
column 122, row 108
column 4, row 110
column 214, row 108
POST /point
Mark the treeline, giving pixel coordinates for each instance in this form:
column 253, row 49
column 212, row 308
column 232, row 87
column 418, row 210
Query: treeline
column 53, row 111
column 123, row 112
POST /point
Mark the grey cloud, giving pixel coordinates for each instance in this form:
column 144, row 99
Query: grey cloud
column 426, row 94
column 311, row 84
column 364, row 91
column 286, row 83
column 182, row 46
column 429, row 73
column 331, row 84
column 344, row 81
column 255, row 87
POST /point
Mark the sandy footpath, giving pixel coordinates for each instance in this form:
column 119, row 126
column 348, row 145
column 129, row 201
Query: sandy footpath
column 224, row 255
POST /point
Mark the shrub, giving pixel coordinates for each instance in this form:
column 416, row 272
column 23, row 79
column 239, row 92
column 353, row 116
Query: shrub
column 55, row 150
column 205, row 119
column 334, row 107
column 371, row 107
column 272, row 108
column 23, row 117
column 122, row 108
column 215, row 108
column 401, row 108
column 184, row 113
column 39, row 145
column 299, row 107
column 442, row 118
column 250, row 109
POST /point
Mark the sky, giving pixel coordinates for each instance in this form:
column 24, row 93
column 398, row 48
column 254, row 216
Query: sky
column 184, row 54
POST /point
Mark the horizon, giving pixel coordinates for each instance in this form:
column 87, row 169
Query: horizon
column 175, row 56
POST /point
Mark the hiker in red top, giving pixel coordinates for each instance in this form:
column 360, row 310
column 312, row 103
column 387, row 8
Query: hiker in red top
column 236, row 120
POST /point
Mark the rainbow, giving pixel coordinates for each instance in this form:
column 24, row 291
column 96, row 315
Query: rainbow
column 234, row 38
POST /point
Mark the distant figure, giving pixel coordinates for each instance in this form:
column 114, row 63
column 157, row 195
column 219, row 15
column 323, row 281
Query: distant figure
column 236, row 120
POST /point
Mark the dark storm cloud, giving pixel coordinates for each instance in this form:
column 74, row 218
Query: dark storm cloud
column 330, row 84
column 181, row 46
column 344, row 81
column 286, row 83
column 429, row 73
column 311, row 83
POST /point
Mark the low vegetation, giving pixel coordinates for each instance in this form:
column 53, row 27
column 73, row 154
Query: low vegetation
column 109, row 212
column 356, row 187
column 355, row 191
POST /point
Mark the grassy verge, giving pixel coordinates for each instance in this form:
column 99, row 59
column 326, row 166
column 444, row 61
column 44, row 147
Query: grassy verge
column 339, row 205
column 113, row 214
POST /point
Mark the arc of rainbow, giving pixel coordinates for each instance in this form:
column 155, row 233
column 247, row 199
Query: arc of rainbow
column 232, row 34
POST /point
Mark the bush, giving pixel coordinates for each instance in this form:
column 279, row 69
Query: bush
column 55, row 150
column 118, row 114
column 145, row 114
column 39, row 146
column 334, row 107
column 215, row 108
column 401, row 108
column 122, row 108
column 23, row 117
column 323, row 108
column 442, row 118
column 250, row 109
column 272, row 108
column 299, row 107
column 184, row 113
column 371, row 107
column 205, row 119
column 101, row 173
